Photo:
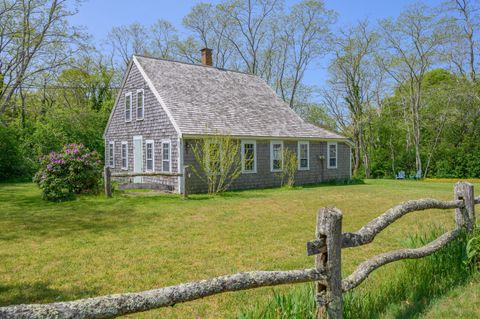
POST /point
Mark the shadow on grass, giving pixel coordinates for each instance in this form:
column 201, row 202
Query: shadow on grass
column 24, row 213
column 58, row 225
column 403, row 291
column 409, row 291
column 346, row 182
column 264, row 191
column 39, row 292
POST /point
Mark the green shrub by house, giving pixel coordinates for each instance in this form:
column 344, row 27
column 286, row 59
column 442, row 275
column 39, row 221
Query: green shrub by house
column 74, row 170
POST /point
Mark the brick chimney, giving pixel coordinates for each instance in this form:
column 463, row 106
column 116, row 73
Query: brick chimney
column 206, row 56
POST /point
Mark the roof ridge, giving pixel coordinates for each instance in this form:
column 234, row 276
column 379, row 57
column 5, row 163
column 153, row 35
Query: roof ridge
column 192, row 64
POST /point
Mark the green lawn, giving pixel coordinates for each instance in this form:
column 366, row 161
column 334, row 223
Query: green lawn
column 461, row 303
column 95, row 246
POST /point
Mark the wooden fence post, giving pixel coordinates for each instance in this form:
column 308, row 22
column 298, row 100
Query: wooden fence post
column 329, row 297
column 465, row 217
column 107, row 181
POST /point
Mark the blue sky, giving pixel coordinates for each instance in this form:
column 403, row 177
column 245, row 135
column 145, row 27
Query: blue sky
column 99, row 16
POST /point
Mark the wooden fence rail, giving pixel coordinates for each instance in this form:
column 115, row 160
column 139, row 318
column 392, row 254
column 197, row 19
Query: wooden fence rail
column 326, row 246
column 108, row 175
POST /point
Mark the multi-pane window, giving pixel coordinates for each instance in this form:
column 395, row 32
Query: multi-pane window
column 276, row 156
column 248, row 150
column 332, row 155
column 111, row 154
column 150, row 155
column 125, row 155
column 166, row 156
column 140, row 104
column 128, row 107
column 303, row 156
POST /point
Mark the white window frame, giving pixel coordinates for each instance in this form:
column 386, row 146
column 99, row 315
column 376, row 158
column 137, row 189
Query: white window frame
column 300, row 168
column 125, row 168
column 254, row 170
column 143, row 105
column 271, row 155
column 111, row 158
column 129, row 94
column 328, row 154
column 169, row 155
column 146, row 156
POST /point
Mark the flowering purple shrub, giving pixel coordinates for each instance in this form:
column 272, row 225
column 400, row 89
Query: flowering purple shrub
column 74, row 170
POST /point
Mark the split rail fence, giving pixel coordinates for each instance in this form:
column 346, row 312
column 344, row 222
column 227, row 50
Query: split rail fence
column 327, row 247
column 108, row 175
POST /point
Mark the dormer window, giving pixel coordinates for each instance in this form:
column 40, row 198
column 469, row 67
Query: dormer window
column 128, row 107
column 140, row 104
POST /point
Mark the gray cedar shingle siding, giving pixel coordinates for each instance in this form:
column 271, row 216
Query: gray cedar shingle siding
column 155, row 126
column 317, row 173
column 189, row 101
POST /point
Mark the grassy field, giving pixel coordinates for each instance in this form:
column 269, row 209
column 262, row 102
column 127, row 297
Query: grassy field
column 94, row 246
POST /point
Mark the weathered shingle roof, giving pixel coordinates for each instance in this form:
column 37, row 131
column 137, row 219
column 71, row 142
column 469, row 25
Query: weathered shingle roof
column 208, row 100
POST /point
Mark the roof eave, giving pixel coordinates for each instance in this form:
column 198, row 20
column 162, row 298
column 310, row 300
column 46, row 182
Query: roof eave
column 284, row 138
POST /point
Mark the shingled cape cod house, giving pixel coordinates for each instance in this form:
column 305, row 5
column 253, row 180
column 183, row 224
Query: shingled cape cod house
column 164, row 106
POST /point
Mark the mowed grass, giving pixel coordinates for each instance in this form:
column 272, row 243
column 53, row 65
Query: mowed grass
column 94, row 246
column 460, row 303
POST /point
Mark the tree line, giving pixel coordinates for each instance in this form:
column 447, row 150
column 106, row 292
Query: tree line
column 404, row 89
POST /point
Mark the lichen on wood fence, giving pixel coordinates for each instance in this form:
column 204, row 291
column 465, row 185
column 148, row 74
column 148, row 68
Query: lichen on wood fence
column 327, row 272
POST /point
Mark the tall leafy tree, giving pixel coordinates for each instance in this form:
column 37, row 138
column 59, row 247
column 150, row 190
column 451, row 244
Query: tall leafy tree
column 306, row 36
column 412, row 44
column 35, row 37
column 462, row 50
column 352, row 86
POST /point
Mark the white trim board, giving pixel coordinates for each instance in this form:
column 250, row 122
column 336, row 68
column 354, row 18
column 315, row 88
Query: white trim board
column 111, row 158
column 350, row 166
column 180, row 165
